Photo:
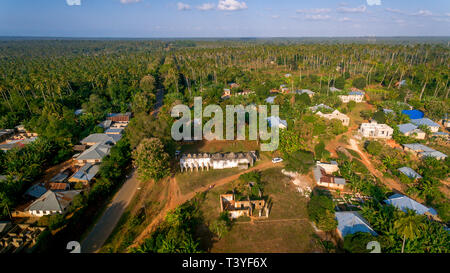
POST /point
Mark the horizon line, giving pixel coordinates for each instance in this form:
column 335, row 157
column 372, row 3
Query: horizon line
column 219, row 37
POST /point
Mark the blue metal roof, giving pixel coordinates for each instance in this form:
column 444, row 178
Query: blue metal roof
column 36, row 191
column 406, row 128
column 404, row 203
column 271, row 99
column 276, row 121
column 350, row 222
column 409, row 172
column 413, row 114
column 424, row 121
column 356, row 93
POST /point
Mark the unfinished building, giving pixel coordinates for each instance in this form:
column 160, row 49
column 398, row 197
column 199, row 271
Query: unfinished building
column 20, row 238
column 249, row 208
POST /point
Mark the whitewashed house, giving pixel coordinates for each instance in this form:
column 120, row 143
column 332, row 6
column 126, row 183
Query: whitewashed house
column 218, row 161
column 356, row 96
column 336, row 115
column 375, row 130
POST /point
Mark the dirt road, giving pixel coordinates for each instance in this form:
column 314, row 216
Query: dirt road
column 111, row 216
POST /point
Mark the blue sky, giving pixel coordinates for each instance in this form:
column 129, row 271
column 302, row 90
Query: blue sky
column 224, row 18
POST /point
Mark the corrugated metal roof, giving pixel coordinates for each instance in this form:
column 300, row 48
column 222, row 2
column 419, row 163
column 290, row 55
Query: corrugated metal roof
column 87, row 172
column 98, row 138
column 271, row 99
column 98, row 151
column 403, row 203
column 407, row 127
column 418, row 147
column 350, row 222
column 424, row 121
column 36, row 191
column 409, row 172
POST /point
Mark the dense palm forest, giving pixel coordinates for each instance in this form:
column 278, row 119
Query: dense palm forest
column 43, row 82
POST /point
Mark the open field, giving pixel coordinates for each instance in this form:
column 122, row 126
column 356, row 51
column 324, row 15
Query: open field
column 286, row 230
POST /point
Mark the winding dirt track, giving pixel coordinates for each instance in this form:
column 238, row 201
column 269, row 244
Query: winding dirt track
column 175, row 198
column 391, row 183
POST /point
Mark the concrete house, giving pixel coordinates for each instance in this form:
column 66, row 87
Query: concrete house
column 433, row 126
column 248, row 207
column 105, row 124
column 216, row 161
column 323, row 174
column 356, row 96
column 94, row 154
column 284, row 89
column 35, row 191
column 411, row 130
column 226, row 93
column 319, row 107
column 19, row 238
column 350, row 222
column 52, row 203
column 93, row 139
column 118, row 117
column 336, row 115
column 305, row 91
column 375, row 130
column 271, row 99
column 404, row 203
column 114, row 131
column 276, row 121
column 421, row 151
column 334, row 89
column 5, row 134
column 85, row 174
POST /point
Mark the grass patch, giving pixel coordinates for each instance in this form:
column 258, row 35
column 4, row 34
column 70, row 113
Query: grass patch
column 286, row 230
column 190, row 181
column 354, row 153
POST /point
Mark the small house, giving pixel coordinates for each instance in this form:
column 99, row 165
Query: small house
column 409, row 129
column 351, row 222
column 375, row 130
column 404, row 203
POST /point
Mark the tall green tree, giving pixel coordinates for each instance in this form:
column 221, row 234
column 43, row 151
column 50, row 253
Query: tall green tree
column 151, row 160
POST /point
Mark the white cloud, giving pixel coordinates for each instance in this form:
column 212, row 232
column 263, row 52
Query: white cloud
column 423, row 12
column 183, row 6
column 447, row 14
column 206, row 6
column 129, row 1
column 345, row 19
column 374, row 2
column 359, row 9
column 317, row 17
column 73, row 2
column 231, row 5
column 275, row 16
column 313, row 10
column 395, row 10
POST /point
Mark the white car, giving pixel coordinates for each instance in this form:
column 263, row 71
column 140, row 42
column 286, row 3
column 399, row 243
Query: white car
column 277, row 160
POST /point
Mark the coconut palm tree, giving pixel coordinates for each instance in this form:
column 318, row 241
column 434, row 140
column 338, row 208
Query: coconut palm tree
column 409, row 226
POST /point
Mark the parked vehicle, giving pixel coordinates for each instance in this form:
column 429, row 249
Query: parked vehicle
column 277, row 160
